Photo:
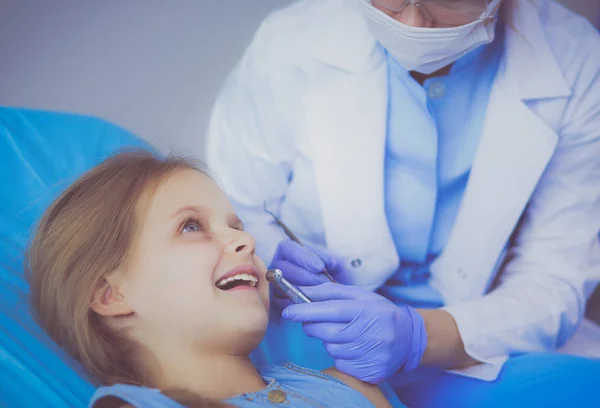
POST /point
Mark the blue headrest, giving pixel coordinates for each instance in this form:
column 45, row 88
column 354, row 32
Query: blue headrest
column 41, row 153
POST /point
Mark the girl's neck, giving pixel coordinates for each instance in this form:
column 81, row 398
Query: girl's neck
column 211, row 376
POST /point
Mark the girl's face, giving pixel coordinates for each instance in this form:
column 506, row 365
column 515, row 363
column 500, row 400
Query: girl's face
column 193, row 276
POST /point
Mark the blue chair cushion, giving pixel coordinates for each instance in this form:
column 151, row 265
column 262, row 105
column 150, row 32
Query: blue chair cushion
column 41, row 153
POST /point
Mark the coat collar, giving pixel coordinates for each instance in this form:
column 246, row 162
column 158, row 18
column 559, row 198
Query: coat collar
column 347, row 44
column 527, row 46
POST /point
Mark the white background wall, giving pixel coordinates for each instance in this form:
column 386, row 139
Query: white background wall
column 153, row 66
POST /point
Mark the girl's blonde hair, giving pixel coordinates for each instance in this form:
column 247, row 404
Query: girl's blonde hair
column 87, row 233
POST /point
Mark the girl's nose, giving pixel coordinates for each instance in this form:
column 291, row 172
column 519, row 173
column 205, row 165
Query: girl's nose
column 241, row 243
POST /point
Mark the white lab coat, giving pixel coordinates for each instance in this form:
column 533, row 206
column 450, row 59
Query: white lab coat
column 301, row 124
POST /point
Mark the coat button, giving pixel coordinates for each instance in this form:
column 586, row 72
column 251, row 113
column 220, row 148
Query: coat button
column 437, row 90
column 461, row 273
column 356, row 263
column 276, row 396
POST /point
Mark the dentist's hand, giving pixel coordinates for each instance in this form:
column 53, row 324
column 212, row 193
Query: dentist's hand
column 369, row 337
column 300, row 265
column 303, row 266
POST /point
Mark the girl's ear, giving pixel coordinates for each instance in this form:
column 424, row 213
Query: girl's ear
column 109, row 302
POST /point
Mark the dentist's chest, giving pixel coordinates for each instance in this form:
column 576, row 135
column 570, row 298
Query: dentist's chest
column 338, row 171
column 336, row 193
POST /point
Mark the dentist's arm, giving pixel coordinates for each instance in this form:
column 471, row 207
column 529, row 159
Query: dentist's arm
column 540, row 298
column 445, row 347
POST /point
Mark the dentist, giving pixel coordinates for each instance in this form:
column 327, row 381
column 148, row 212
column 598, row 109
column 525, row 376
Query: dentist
column 444, row 155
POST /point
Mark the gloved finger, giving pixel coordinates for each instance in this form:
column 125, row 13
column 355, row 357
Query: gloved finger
column 330, row 261
column 301, row 256
column 329, row 332
column 336, row 291
column 298, row 275
column 346, row 351
column 331, row 311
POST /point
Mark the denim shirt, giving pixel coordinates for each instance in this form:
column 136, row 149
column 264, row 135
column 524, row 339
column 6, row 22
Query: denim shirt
column 287, row 385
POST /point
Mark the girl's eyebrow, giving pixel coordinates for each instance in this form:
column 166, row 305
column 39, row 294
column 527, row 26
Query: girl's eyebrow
column 189, row 208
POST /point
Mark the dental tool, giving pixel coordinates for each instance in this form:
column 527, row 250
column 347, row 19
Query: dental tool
column 275, row 276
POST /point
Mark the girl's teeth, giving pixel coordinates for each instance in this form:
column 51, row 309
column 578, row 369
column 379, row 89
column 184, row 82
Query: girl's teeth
column 241, row 276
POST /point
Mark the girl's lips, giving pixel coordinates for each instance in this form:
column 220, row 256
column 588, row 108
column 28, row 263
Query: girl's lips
column 247, row 269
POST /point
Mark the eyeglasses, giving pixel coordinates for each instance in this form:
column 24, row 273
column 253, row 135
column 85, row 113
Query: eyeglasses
column 292, row 236
column 446, row 12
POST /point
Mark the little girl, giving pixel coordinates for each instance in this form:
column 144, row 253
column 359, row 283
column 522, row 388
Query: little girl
column 143, row 273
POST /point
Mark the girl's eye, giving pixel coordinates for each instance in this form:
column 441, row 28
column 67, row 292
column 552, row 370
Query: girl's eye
column 191, row 225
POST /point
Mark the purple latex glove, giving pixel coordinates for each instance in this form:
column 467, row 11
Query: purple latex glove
column 368, row 336
column 302, row 266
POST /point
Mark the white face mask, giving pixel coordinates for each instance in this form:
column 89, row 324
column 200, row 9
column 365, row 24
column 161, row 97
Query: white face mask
column 427, row 50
